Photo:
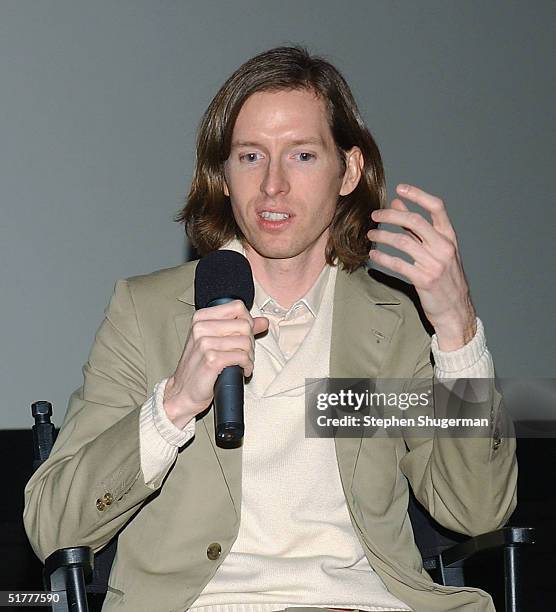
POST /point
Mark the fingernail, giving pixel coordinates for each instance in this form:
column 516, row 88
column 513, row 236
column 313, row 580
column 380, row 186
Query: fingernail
column 403, row 188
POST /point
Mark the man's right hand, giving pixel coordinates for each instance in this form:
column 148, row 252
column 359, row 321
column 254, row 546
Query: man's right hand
column 220, row 336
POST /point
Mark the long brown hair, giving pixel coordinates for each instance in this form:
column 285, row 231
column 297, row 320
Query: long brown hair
column 207, row 214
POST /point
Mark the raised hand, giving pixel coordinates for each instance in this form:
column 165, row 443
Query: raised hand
column 437, row 270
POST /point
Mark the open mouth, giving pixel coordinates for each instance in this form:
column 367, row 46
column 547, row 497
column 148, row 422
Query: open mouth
column 273, row 216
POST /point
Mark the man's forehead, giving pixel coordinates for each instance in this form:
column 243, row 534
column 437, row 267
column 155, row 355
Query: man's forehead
column 293, row 116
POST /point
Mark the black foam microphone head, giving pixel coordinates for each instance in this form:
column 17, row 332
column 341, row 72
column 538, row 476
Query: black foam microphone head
column 223, row 274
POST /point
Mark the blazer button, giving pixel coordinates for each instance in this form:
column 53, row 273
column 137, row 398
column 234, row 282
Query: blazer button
column 108, row 499
column 100, row 505
column 214, row 551
column 496, row 443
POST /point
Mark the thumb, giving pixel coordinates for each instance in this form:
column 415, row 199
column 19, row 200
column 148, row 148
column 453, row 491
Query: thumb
column 260, row 325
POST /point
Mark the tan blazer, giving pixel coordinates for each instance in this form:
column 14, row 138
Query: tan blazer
column 169, row 544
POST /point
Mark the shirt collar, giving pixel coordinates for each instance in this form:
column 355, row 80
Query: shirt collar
column 312, row 299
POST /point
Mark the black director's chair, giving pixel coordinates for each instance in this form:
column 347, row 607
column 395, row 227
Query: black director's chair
column 74, row 572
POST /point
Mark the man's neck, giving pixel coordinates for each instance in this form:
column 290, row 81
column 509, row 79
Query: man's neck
column 286, row 280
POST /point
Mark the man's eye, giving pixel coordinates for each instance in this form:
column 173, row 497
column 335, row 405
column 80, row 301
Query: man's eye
column 249, row 157
column 304, row 156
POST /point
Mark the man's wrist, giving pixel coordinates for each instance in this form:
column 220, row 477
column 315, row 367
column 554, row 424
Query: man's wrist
column 173, row 406
column 462, row 361
column 455, row 334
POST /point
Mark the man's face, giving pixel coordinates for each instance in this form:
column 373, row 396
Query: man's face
column 283, row 174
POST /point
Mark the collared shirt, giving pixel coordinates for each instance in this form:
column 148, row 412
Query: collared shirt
column 288, row 326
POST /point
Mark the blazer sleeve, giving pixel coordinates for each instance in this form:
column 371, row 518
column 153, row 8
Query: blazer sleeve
column 468, row 484
column 92, row 484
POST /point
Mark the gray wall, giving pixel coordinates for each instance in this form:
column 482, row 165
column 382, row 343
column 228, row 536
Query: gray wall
column 98, row 111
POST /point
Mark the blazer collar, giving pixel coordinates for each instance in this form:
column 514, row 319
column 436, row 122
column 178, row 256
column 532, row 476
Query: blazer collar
column 365, row 319
column 188, row 296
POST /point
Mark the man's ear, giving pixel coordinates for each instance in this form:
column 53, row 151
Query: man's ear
column 354, row 169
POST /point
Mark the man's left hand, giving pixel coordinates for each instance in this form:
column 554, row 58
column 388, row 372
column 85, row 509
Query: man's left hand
column 436, row 272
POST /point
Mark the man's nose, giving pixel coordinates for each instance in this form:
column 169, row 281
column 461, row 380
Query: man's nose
column 275, row 180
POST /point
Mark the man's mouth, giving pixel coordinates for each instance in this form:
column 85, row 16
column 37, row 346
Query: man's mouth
column 274, row 216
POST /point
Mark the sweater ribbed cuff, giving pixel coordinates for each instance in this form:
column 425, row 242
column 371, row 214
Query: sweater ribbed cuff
column 172, row 434
column 472, row 360
column 159, row 437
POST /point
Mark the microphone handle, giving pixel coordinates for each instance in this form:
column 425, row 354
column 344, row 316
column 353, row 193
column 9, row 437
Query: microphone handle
column 228, row 407
column 228, row 399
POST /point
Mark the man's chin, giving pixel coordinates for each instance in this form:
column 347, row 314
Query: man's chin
column 274, row 251
column 275, row 247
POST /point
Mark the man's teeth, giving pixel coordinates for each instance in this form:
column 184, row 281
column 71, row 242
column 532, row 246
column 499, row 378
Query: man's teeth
column 272, row 216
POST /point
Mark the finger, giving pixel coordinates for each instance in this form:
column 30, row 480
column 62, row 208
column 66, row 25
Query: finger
column 227, row 343
column 398, row 265
column 404, row 243
column 260, row 325
column 399, row 205
column 221, row 327
column 218, row 360
column 232, row 310
column 411, row 221
column 433, row 204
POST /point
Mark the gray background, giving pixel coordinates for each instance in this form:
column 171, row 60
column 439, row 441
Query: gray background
column 99, row 106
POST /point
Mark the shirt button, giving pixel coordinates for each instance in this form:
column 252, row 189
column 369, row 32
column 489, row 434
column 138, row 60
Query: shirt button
column 214, row 551
column 276, row 310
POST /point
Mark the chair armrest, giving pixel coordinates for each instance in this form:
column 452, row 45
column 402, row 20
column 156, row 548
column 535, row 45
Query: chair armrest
column 507, row 536
column 65, row 571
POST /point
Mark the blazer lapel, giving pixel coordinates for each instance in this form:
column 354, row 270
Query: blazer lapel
column 362, row 329
column 229, row 460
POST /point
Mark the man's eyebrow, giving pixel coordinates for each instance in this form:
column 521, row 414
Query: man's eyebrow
column 298, row 141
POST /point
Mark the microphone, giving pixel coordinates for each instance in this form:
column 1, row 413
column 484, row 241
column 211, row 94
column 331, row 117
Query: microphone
column 221, row 277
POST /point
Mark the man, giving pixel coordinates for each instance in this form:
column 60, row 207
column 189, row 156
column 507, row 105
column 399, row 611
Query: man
column 287, row 174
